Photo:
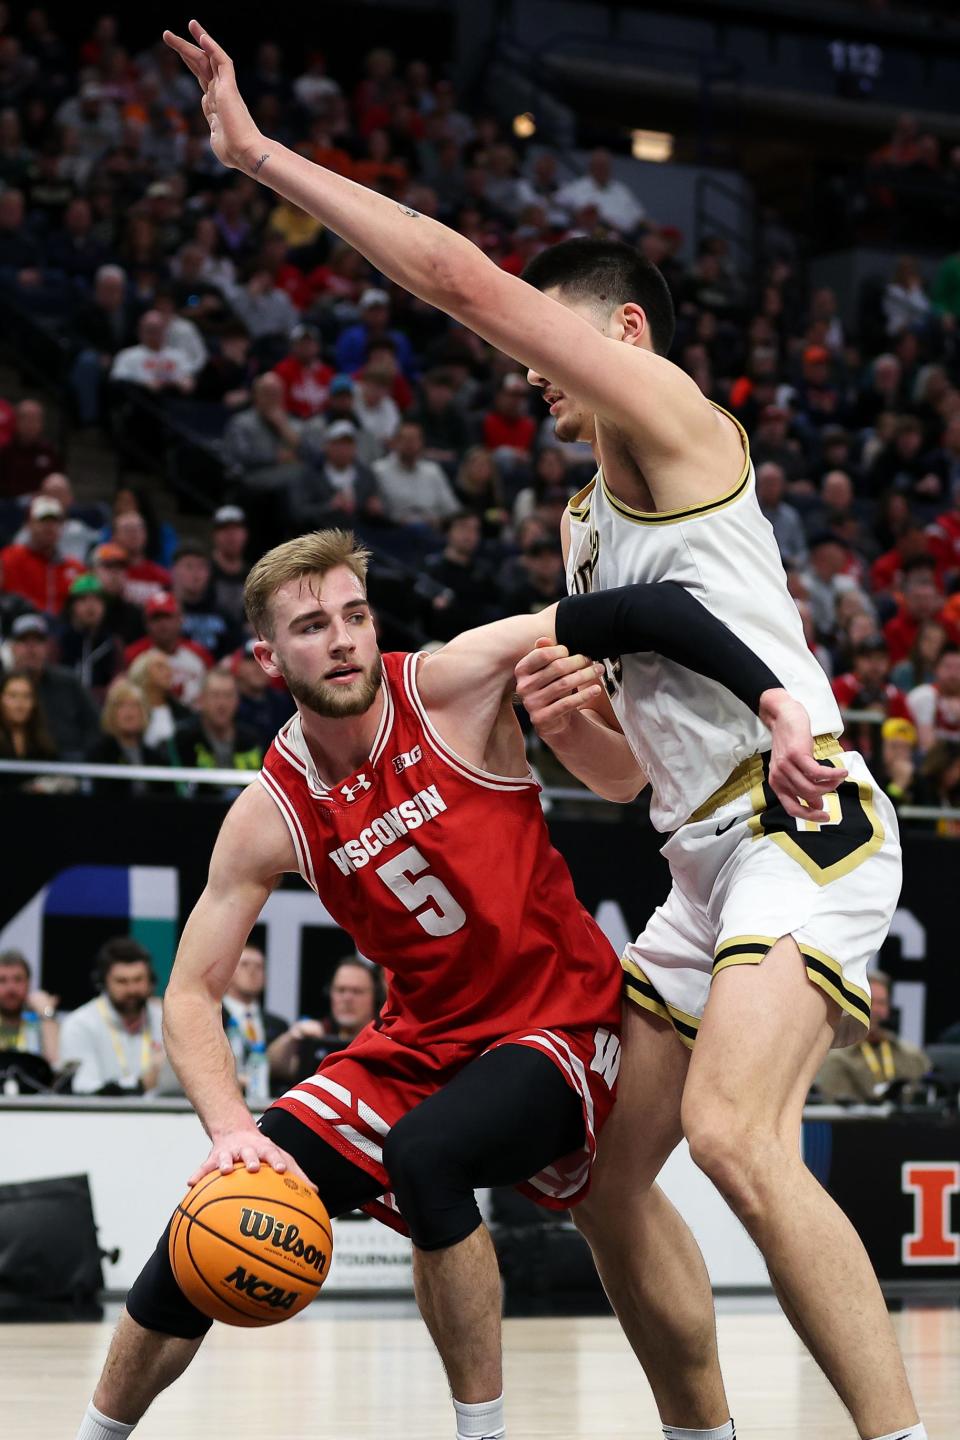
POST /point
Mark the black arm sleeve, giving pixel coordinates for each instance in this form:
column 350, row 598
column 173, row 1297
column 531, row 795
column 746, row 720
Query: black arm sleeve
column 667, row 619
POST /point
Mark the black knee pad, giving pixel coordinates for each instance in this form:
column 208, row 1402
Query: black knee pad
column 156, row 1301
column 431, row 1183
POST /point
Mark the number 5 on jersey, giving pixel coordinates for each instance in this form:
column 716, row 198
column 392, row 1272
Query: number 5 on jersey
column 441, row 917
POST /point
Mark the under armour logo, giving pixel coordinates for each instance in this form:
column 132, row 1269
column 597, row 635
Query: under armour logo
column 350, row 792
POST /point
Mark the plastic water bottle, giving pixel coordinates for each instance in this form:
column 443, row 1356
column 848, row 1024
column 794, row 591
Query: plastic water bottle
column 258, row 1076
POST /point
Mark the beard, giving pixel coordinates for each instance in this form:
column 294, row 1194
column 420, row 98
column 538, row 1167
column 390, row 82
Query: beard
column 332, row 702
column 130, row 1008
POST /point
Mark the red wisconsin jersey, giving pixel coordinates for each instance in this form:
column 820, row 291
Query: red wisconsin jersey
column 444, row 874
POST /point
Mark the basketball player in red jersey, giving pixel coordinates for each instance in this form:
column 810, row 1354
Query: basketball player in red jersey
column 401, row 794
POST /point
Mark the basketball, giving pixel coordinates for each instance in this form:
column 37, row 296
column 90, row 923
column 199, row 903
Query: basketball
column 250, row 1249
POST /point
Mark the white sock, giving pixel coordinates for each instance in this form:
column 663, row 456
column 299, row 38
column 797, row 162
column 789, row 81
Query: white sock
column 477, row 1422
column 915, row 1432
column 721, row 1432
column 95, row 1426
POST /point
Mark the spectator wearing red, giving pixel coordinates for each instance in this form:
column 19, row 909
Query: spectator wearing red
column 144, row 577
column 8, row 423
column 188, row 660
column 286, row 276
column 886, row 572
column 944, row 534
column 509, row 424
column 920, row 600
column 29, row 457
column 306, row 379
column 936, row 707
column 36, row 569
column 867, row 687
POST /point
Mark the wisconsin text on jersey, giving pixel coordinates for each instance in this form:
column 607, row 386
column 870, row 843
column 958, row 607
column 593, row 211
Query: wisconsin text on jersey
column 392, row 825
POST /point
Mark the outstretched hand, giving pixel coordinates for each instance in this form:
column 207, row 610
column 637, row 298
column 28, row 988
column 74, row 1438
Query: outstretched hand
column 799, row 781
column 234, row 138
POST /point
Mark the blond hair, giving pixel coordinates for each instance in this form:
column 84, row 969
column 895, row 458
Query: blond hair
column 137, row 673
column 313, row 554
column 121, row 690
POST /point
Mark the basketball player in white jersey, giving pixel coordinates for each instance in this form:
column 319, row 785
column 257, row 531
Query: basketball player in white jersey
column 670, row 459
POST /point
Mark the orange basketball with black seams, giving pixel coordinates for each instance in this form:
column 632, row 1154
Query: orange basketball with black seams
column 250, row 1249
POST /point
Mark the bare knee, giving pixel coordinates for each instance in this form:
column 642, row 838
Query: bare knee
column 741, row 1157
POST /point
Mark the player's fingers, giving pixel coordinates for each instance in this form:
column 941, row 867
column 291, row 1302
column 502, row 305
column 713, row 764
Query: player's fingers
column 544, row 641
column 191, row 56
column 560, row 669
column 250, row 1158
column 571, row 683
column 210, row 46
column 795, row 806
column 224, row 1161
column 539, row 658
column 566, row 706
column 204, row 1169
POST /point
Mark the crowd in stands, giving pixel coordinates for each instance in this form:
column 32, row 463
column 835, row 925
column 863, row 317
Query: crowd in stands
column 113, row 1043
column 188, row 303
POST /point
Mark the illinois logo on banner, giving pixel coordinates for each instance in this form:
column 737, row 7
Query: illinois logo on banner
column 932, row 1183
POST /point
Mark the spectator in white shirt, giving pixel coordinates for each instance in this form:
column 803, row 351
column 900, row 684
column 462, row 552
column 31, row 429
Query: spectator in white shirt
column 181, row 334
column 375, row 407
column 115, row 1040
column 615, row 202
column 414, row 491
column 936, row 707
column 152, row 363
column 906, row 304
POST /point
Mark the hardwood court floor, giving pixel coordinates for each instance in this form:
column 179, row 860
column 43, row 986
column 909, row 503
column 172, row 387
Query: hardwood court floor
column 327, row 1377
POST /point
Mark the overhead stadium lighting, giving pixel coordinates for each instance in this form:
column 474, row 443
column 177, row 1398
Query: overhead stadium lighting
column 524, row 126
column 651, row 145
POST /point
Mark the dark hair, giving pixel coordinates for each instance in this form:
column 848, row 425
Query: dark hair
column 608, row 271
column 40, row 745
column 190, row 548
column 9, row 958
column 916, row 563
column 122, row 950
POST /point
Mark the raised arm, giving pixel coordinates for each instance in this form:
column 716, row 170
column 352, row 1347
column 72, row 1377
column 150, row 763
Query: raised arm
column 253, row 849
column 625, row 384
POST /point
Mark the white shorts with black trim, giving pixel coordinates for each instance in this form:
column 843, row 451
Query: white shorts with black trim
column 747, row 873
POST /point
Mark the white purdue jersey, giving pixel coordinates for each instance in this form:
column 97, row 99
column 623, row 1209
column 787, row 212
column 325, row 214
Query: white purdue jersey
column 688, row 732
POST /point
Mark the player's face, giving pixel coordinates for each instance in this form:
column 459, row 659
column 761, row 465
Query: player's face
column 324, row 644
column 572, row 420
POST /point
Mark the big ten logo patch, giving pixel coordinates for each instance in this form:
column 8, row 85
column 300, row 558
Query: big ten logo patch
column 408, row 758
column 932, row 1183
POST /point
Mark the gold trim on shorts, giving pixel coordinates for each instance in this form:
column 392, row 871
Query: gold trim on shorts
column 822, row 874
column 637, row 987
column 821, row 969
column 748, row 776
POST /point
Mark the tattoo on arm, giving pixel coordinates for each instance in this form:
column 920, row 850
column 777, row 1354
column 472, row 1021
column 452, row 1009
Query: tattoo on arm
column 405, row 210
column 262, row 161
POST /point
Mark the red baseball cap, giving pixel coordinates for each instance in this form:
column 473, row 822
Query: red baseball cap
column 162, row 604
column 816, row 355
